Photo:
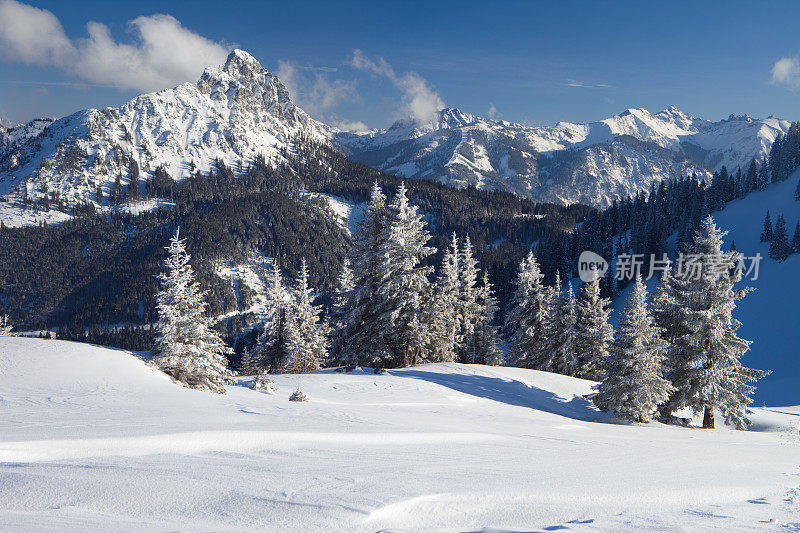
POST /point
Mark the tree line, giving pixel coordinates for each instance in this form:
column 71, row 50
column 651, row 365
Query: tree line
column 678, row 351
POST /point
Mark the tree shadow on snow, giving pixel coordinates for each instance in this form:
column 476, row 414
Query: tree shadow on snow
column 513, row 392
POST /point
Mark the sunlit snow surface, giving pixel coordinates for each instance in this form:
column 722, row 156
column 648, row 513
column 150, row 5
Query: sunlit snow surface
column 94, row 439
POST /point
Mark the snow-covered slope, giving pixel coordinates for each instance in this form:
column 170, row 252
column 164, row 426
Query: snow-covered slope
column 592, row 163
column 92, row 439
column 769, row 314
column 234, row 113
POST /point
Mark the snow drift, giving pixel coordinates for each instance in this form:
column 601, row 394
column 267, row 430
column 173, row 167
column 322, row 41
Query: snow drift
column 95, row 439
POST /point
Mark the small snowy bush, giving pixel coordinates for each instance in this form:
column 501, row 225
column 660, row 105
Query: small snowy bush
column 262, row 383
column 298, row 396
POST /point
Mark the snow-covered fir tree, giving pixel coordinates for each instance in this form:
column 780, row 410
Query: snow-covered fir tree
column 402, row 283
column 594, row 333
column 354, row 342
column 468, row 309
column 306, row 332
column 526, row 322
column 704, row 362
column 269, row 351
column 186, row 347
column 634, row 386
column 5, row 326
column 563, row 332
column 442, row 317
column 486, row 346
column 343, row 296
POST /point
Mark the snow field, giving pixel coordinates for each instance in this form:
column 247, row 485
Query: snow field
column 95, row 439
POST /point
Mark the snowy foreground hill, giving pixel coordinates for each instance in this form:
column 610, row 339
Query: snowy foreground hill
column 94, row 439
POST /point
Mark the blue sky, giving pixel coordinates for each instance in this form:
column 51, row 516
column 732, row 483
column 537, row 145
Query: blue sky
column 528, row 62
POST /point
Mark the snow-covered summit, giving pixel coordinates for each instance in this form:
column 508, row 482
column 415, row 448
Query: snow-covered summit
column 234, row 113
column 6, row 124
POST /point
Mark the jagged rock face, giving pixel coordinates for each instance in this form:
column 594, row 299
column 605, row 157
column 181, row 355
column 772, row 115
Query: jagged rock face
column 234, row 113
column 591, row 163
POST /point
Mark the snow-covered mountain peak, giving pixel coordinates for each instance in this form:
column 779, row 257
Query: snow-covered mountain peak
column 6, row 124
column 242, row 81
column 239, row 61
column 233, row 113
column 677, row 116
column 453, row 118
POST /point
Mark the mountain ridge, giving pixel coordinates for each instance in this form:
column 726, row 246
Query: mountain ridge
column 240, row 111
column 569, row 162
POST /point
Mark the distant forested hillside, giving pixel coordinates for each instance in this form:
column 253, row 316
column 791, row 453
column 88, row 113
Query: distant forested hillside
column 97, row 271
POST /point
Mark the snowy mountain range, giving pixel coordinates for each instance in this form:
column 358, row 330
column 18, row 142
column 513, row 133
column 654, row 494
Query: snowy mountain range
column 240, row 110
column 592, row 163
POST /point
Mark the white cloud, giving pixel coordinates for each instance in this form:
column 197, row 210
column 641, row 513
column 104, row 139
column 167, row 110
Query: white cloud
column 314, row 92
column 163, row 53
column 420, row 101
column 577, row 83
column 30, row 35
column 345, row 125
column 786, row 71
column 492, row 113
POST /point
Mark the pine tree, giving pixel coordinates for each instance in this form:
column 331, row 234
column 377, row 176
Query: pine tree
column 797, row 191
column 5, row 326
column 634, row 387
column 751, row 177
column 775, row 159
column 442, row 317
column 306, row 334
column 343, row 296
column 780, row 249
column 468, row 308
column 116, row 192
column 704, row 354
column 356, row 343
column 766, row 235
column 487, row 347
column 763, row 175
column 402, row 283
column 663, row 306
column 186, row 347
column 564, row 333
column 133, row 183
column 270, row 349
column 526, row 322
column 594, row 333
column 796, row 239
